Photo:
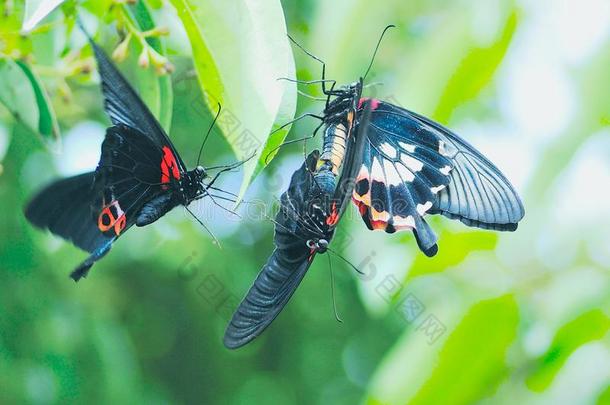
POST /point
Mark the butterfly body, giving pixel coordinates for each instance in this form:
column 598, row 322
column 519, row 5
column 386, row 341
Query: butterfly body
column 309, row 213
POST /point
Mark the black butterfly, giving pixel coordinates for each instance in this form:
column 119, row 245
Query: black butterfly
column 413, row 166
column 140, row 177
column 309, row 212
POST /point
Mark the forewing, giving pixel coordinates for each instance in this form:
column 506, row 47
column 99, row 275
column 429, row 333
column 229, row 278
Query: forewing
column 479, row 194
column 124, row 106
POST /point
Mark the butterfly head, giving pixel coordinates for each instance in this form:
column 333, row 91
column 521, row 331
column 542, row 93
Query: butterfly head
column 317, row 245
column 347, row 98
column 200, row 173
column 193, row 186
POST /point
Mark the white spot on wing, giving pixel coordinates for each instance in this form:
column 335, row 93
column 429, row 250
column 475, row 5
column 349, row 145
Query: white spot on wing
column 423, row 208
column 445, row 170
column 402, row 222
column 408, row 147
column 413, row 164
column 364, row 173
column 405, row 174
column 391, row 174
column 446, row 149
column 437, row 189
column 376, row 171
column 388, row 149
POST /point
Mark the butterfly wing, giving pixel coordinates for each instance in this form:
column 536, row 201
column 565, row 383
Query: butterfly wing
column 64, row 208
column 124, row 106
column 413, row 167
column 284, row 270
column 479, row 194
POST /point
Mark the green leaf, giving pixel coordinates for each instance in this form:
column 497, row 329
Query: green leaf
column 475, row 71
column 604, row 398
column 17, row 94
column 454, row 248
column 36, row 11
column 463, row 367
column 240, row 49
column 473, row 361
column 587, row 327
column 47, row 124
column 23, row 95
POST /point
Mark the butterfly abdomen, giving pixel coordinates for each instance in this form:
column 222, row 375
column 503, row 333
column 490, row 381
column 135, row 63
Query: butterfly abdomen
column 333, row 150
column 155, row 209
column 335, row 143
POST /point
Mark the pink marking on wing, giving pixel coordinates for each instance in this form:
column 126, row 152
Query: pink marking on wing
column 374, row 103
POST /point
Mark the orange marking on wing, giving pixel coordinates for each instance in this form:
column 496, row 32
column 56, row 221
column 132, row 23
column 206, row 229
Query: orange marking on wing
column 102, row 224
column 379, row 215
column 112, row 216
column 379, row 225
column 362, row 208
column 364, row 199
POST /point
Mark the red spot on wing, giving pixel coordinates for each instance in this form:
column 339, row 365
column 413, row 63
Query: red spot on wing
column 374, row 103
column 112, row 217
column 333, row 218
column 367, row 216
column 169, row 166
column 363, row 209
column 312, row 253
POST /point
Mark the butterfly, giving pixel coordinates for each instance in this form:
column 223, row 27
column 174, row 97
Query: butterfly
column 310, row 210
column 139, row 178
column 413, row 167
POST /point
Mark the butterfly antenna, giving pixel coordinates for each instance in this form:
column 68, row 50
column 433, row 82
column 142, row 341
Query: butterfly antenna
column 205, row 227
column 208, row 133
column 346, row 261
column 305, row 50
column 376, row 49
column 332, row 290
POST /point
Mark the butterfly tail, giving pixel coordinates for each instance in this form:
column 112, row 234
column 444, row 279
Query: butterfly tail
column 425, row 237
column 83, row 269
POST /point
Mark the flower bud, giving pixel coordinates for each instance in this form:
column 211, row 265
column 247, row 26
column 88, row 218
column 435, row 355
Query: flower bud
column 143, row 59
column 120, row 53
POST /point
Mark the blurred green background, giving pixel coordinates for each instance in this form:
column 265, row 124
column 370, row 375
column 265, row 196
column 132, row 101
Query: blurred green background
column 494, row 318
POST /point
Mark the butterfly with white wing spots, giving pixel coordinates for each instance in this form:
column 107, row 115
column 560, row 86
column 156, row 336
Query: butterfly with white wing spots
column 413, row 167
column 140, row 177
